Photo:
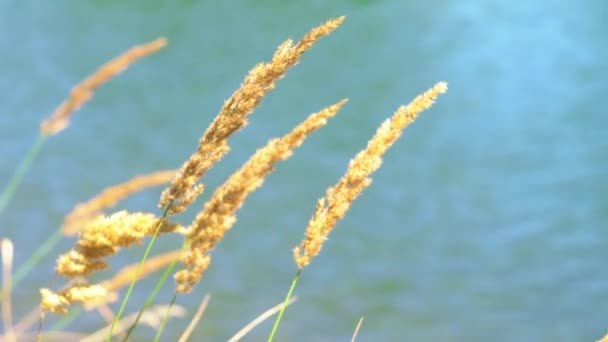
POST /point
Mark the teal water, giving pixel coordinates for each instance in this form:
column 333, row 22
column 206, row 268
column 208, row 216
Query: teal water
column 487, row 220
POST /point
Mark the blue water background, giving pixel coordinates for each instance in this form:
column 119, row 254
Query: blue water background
column 487, row 221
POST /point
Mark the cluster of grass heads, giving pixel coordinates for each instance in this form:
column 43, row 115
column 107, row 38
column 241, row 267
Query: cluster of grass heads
column 101, row 235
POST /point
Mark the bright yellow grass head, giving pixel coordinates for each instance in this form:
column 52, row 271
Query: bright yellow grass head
column 338, row 199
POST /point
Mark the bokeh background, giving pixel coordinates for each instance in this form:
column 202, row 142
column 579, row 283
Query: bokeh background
column 487, row 220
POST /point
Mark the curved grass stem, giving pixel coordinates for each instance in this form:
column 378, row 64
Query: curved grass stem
column 13, row 183
column 138, row 271
column 285, row 303
column 151, row 297
column 162, row 325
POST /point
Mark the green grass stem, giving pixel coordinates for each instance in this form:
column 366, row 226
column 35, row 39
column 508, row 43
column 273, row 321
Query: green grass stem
column 13, row 183
column 285, row 303
column 137, row 272
column 151, row 297
column 162, row 325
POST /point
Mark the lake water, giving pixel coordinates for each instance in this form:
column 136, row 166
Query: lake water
column 487, row 221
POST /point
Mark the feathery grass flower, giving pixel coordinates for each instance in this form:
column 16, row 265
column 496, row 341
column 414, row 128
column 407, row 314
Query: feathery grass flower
column 74, row 263
column 338, row 199
column 77, row 264
column 83, row 92
column 104, row 236
column 213, row 145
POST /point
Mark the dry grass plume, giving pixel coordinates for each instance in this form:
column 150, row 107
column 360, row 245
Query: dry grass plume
column 81, row 93
column 338, row 199
column 214, row 143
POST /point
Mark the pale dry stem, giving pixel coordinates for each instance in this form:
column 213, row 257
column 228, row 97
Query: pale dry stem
column 104, row 311
column 357, row 328
column 195, row 319
column 261, row 318
column 7, row 250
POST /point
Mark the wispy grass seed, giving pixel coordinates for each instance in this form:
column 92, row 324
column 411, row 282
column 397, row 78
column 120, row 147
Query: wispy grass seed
column 214, row 143
column 338, row 199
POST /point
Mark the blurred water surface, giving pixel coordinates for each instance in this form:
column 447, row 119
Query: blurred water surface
column 486, row 222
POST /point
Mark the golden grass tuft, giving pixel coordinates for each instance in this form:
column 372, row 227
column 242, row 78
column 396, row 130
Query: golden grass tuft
column 59, row 302
column 213, row 145
column 81, row 93
column 218, row 215
column 84, row 212
column 95, row 295
column 338, row 199
column 74, row 263
column 104, row 236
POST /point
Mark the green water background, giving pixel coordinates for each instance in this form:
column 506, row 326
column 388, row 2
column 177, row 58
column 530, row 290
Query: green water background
column 487, row 221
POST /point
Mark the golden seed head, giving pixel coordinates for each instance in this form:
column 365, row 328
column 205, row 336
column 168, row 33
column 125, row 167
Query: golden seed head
column 73, row 263
column 104, row 236
column 53, row 302
column 233, row 115
column 120, row 229
column 84, row 293
column 187, row 278
column 339, row 198
column 83, row 92
column 59, row 302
